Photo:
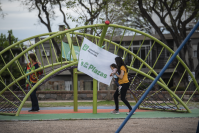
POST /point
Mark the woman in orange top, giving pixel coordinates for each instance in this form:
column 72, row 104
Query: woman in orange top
column 124, row 82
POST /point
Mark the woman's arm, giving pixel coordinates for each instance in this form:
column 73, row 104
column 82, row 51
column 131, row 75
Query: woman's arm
column 121, row 74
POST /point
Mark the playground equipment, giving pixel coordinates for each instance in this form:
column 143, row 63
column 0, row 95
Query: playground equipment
column 157, row 78
column 11, row 101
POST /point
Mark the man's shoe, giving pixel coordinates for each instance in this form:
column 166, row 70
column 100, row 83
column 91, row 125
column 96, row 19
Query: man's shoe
column 115, row 112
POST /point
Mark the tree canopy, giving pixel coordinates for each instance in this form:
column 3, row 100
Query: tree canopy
column 174, row 16
column 6, row 41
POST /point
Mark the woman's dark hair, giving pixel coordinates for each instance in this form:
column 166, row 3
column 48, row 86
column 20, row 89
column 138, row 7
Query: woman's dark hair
column 113, row 65
column 32, row 56
column 120, row 63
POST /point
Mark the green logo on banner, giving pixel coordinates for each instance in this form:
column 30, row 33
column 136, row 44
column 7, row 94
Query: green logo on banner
column 85, row 47
column 93, row 69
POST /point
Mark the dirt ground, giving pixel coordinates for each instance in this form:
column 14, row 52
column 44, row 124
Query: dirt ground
column 169, row 125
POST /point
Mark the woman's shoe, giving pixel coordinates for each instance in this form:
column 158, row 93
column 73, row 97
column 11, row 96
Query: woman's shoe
column 30, row 110
column 115, row 112
column 129, row 113
column 33, row 110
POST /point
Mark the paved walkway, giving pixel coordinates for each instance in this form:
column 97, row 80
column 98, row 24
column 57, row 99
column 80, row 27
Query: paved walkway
column 169, row 125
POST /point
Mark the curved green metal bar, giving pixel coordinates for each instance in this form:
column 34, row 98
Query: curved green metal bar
column 75, row 63
column 40, row 81
column 31, row 47
column 165, row 87
column 164, row 45
column 54, row 34
column 41, row 68
column 128, row 51
column 110, row 25
column 13, row 45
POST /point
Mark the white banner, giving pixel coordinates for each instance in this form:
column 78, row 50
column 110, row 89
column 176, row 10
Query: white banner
column 95, row 61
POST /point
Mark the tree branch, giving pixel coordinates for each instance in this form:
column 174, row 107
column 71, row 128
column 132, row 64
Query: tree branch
column 44, row 8
column 64, row 18
column 39, row 14
column 146, row 15
column 88, row 10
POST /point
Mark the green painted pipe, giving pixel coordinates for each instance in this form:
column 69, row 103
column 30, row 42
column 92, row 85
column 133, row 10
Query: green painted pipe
column 75, row 89
column 95, row 96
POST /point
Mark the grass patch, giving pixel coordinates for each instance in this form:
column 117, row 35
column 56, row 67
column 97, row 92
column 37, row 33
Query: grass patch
column 70, row 104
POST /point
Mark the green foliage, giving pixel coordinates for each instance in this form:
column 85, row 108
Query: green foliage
column 5, row 42
column 180, row 88
column 87, row 12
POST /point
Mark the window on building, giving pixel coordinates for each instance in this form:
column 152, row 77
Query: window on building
column 68, row 85
column 88, row 85
column 146, row 42
column 117, row 42
column 194, row 50
column 127, row 43
column 136, row 63
column 136, row 42
column 171, row 46
column 160, row 52
column 195, row 53
column 128, row 58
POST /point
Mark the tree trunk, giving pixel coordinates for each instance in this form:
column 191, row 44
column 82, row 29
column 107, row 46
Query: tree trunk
column 190, row 55
column 57, row 47
column 146, row 15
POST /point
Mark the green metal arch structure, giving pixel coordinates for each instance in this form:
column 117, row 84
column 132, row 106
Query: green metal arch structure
column 11, row 102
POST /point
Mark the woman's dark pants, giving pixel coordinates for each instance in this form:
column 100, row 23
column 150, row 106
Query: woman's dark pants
column 34, row 100
column 123, row 95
